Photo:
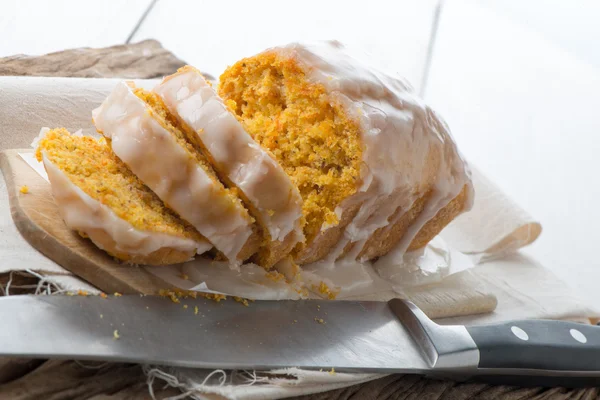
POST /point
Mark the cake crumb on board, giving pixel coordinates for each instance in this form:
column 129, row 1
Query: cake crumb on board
column 116, row 335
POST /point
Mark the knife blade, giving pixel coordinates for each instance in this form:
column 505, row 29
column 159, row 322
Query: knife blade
column 348, row 336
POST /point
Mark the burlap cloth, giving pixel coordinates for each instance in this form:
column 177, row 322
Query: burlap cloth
column 42, row 379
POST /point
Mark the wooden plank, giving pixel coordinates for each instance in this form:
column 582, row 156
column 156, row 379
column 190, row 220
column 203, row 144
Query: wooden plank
column 38, row 220
column 524, row 111
column 39, row 27
column 213, row 34
column 573, row 28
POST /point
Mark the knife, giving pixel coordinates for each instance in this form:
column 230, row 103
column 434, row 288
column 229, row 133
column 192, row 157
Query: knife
column 345, row 336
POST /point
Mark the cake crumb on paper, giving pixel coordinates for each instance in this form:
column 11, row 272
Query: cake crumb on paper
column 332, row 372
column 326, row 291
column 24, row 189
column 241, row 300
column 275, row 276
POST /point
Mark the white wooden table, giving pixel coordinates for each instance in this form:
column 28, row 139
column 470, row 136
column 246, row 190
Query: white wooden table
column 518, row 84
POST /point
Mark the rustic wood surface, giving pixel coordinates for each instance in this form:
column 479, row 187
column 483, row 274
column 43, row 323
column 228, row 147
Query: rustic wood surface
column 36, row 379
column 147, row 59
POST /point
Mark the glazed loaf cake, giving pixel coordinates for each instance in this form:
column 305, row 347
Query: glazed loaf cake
column 302, row 154
column 377, row 169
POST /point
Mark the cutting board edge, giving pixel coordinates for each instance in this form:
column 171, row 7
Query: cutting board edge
column 43, row 241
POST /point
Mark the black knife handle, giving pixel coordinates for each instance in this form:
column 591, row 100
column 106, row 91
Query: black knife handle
column 538, row 344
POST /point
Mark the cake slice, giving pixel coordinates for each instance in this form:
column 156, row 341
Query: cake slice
column 145, row 136
column 377, row 169
column 241, row 163
column 99, row 197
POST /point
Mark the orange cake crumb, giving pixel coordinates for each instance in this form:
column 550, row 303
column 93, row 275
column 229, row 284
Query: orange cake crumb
column 214, row 296
column 177, row 294
column 325, row 290
column 24, row 189
column 241, row 300
column 275, row 276
column 170, row 294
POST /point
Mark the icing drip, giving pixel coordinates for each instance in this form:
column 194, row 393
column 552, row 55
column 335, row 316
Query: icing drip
column 243, row 161
column 109, row 232
column 156, row 157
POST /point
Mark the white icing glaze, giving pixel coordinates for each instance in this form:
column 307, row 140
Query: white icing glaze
column 155, row 156
column 234, row 152
column 407, row 148
column 109, row 232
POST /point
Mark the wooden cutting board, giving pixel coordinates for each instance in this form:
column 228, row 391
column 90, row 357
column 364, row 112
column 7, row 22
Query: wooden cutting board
column 37, row 218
